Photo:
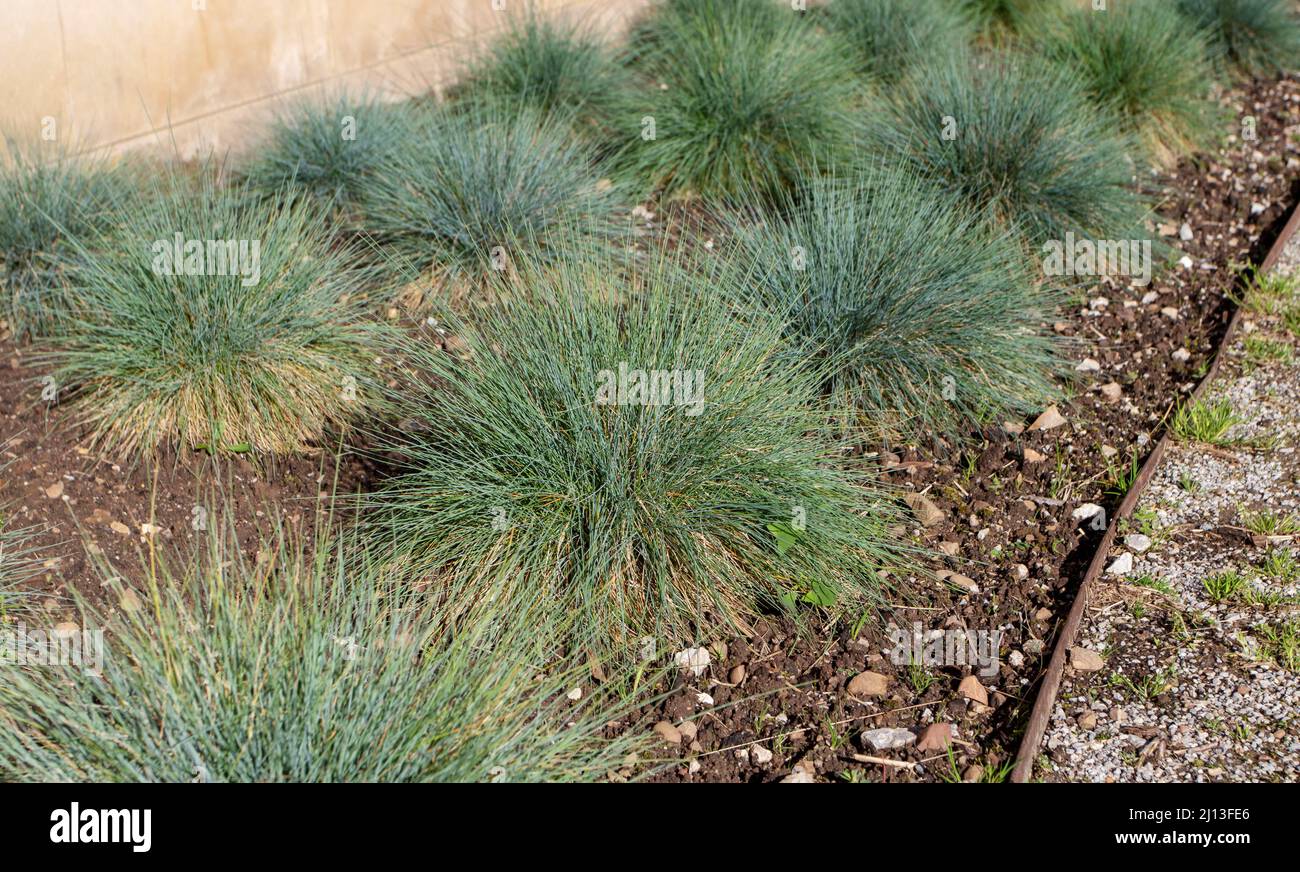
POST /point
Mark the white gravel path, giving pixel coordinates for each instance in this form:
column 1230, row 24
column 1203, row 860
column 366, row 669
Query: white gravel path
column 1194, row 687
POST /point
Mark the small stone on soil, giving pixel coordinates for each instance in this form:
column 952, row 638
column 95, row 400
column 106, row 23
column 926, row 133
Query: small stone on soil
column 1051, row 418
column 803, row 773
column 936, row 737
column 887, row 738
column 971, row 689
column 668, row 733
column 866, row 684
column 694, row 660
column 1086, row 660
column 1138, row 542
column 1086, row 511
column 1122, row 565
column 926, row 511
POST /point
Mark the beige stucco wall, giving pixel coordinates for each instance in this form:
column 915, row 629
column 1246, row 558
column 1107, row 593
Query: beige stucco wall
column 205, row 73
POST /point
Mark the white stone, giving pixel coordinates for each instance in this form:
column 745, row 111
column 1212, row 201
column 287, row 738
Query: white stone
column 696, row 660
column 887, row 738
column 1086, row 511
column 1138, row 542
column 1122, row 565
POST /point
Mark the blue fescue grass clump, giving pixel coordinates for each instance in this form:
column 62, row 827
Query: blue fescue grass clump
column 216, row 320
column 739, row 94
column 633, row 446
column 1001, row 18
column 311, row 665
column 17, row 564
column 1142, row 63
column 551, row 66
column 467, row 193
column 1016, row 136
column 327, row 149
column 48, row 196
column 928, row 312
column 890, row 36
column 1248, row 37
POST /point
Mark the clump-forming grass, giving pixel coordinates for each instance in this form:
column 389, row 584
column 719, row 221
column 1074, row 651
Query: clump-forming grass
column 553, row 67
column 327, row 149
column 1273, row 294
column 17, row 564
column 926, row 312
column 1204, row 422
column 47, row 196
column 890, row 36
column 626, row 444
column 1250, row 37
column 1223, row 586
column 1016, row 136
column 1144, row 64
column 1280, row 642
column 467, row 194
column 741, row 94
column 1002, row 17
column 1262, row 351
column 1270, row 523
column 250, row 340
column 316, row 667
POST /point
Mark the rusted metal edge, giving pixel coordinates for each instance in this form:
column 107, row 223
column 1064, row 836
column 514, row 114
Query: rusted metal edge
column 1040, row 715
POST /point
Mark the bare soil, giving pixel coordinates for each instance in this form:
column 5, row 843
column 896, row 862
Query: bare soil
column 82, row 508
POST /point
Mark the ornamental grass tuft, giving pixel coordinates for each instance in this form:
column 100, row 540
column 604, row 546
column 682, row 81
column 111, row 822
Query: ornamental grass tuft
column 467, row 193
column 629, row 444
column 739, row 94
column 1016, row 136
column 309, row 665
column 328, row 149
column 555, row 67
column 48, row 195
column 1003, row 18
column 929, row 314
column 889, row 37
column 215, row 320
column 1248, row 37
column 1140, row 62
